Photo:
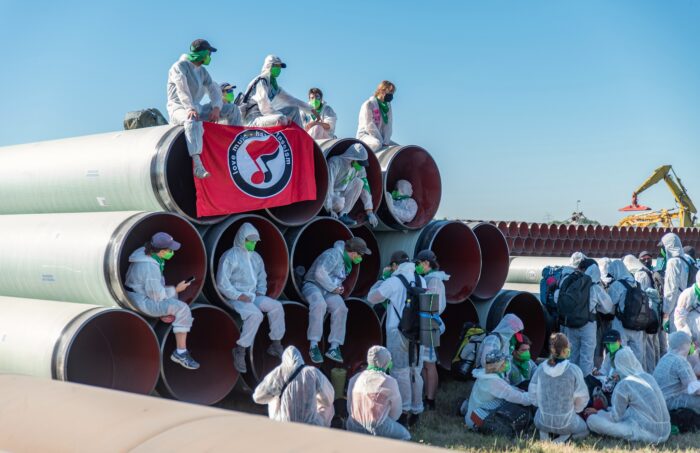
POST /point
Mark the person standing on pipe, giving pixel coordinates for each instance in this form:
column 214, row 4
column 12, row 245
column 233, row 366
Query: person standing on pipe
column 376, row 117
column 374, row 400
column 427, row 266
column 265, row 103
column 320, row 121
column 322, row 290
column 188, row 82
column 146, row 289
column 407, row 372
column 348, row 182
column 242, row 280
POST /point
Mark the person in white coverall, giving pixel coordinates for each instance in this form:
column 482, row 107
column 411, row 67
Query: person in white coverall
column 242, row 280
column 500, row 339
column 295, row 392
column 374, row 400
column 323, row 288
column 675, row 277
column 634, row 339
column 265, row 103
column 675, row 376
column 319, row 123
column 188, row 82
column 687, row 311
column 401, row 203
column 376, row 118
column 406, row 371
column 348, row 182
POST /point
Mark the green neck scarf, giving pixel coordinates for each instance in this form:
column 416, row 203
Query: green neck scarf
column 273, row 82
column 697, row 291
column 397, row 196
column 161, row 261
column 384, row 110
column 523, row 367
column 347, row 261
column 375, row 368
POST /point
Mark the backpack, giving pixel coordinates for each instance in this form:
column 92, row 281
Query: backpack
column 409, row 320
column 637, row 314
column 574, row 300
column 144, row 118
column 243, row 98
column 692, row 271
column 464, row 361
column 551, row 277
column 658, row 278
column 509, row 420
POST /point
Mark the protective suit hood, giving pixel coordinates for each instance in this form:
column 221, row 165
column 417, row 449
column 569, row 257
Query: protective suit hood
column 556, row 370
column 378, row 356
column 404, row 187
column 339, row 246
column 355, row 152
column 509, row 326
column 291, row 360
column 576, row 259
column 604, row 265
column 626, row 364
column 618, row 271
column 267, row 65
column 593, row 271
column 406, row 269
column 139, row 256
column 672, row 244
column 245, row 231
column 633, row 264
column 679, row 343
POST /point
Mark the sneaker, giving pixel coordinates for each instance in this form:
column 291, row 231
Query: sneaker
column 403, row 419
column 413, row 419
column 201, row 172
column 315, row 354
column 239, row 359
column 335, row 355
column 185, row 360
column 429, row 404
column 347, row 220
column 275, row 349
column 561, row 439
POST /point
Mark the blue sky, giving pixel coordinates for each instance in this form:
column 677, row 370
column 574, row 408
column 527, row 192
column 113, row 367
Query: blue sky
column 527, row 106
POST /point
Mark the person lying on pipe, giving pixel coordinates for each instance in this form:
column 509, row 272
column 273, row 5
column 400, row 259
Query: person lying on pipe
column 400, row 202
column 320, row 121
column 348, row 182
column 376, row 117
column 146, row 289
column 242, row 280
column 322, row 289
column 188, row 82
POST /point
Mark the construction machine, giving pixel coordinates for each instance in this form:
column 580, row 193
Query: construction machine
column 684, row 213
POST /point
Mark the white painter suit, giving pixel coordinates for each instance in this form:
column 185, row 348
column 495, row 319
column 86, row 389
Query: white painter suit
column 687, row 311
column 374, row 400
column 638, row 410
column 489, row 391
column 402, row 205
column 242, row 273
column 436, row 284
column 408, row 375
column 346, row 183
column 617, row 291
column 308, row 398
column 268, row 106
column 675, row 376
column 499, row 339
column 326, row 115
column 643, row 278
column 187, row 85
column 675, row 277
column 371, row 127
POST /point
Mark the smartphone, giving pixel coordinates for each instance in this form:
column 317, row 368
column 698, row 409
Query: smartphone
column 190, row 280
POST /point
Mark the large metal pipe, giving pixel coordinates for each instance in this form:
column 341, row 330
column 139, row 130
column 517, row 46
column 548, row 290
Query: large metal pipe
column 84, row 257
column 87, row 344
column 145, row 169
column 528, row 270
column 494, row 260
column 338, row 146
column 306, row 243
column 417, row 166
column 211, row 340
column 371, row 265
column 455, row 245
column 297, row 214
column 272, row 248
column 454, row 317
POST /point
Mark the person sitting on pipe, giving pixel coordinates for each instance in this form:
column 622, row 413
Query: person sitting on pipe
column 265, row 103
column 348, row 182
column 407, row 368
column 295, row 392
column 427, row 266
column 400, row 202
column 322, row 290
column 374, row 399
column 242, row 280
column 188, row 82
column 146, row 289
column 376, row 117
column 320, row 121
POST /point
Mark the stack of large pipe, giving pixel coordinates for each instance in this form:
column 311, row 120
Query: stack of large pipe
column 74, row 210
column 541, row 239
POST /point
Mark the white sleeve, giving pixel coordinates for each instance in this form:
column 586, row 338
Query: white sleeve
column 382, row 291
column 581, row 395
column 330, row 118
column 214, row 91
column 223, row 278
column 601, row 300
column 644, row 280
column 672, row 287
column 286, row 99
column 502, row 389
column 533, row 386
column 682, row 311
column 366, row 121
column 183, row 90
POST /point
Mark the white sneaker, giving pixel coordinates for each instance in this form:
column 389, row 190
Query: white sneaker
column 562, row 439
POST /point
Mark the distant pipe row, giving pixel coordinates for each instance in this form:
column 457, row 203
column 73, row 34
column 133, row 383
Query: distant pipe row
column 592, row 247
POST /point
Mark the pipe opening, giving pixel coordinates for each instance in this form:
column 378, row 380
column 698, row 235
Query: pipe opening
column 115, row 349
column 458, row 254
column 371, row 265
column 526, row 307
column 417, row 166
column 213, row 336
column 189, row 261
column 306, row 243
column 363, row 331
column 495, row 259
column 454, row 317
column 299, row 213
column 271, row 248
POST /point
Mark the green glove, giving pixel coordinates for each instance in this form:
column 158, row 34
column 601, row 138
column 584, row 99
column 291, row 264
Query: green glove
column 666, row 326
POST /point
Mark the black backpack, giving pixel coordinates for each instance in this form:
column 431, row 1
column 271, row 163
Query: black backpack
column 637, row 314
column 409, row 320
column 692, row 271
column 573, row 304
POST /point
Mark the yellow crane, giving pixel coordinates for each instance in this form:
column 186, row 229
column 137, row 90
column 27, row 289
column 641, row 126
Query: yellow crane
column 684, row 213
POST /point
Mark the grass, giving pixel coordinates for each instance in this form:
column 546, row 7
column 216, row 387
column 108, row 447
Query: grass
column 444, row 428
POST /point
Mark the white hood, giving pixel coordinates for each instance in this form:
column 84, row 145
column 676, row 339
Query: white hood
column 556, row 370
column 672, row 244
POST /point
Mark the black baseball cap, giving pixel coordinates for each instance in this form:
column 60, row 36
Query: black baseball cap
column 398, row 257
column 357, row 245
column 426, row 255
column 201, row 44
column 611, row 336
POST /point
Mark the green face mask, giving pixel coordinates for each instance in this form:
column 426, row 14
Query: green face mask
column 386, row 274
column 275, row 71
column 167, row 255
column 207, row 60
column 692, row 349
column 612, row 347
column 357, row 259
column 228, row 97
column 420, row 270
column 663, row 252
column 524, row 356
column 250, row 245
column 315, row 103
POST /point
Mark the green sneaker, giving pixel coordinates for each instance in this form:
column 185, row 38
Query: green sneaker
column 335, row 355
column 315, row 354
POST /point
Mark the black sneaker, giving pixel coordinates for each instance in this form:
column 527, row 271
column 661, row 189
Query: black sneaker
column 429, row 404
column 403, row 419
column 413, row 420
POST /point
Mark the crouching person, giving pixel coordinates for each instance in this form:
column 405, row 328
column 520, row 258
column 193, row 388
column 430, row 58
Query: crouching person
column 295, row 392
column 374, row 400
column 146, row 289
